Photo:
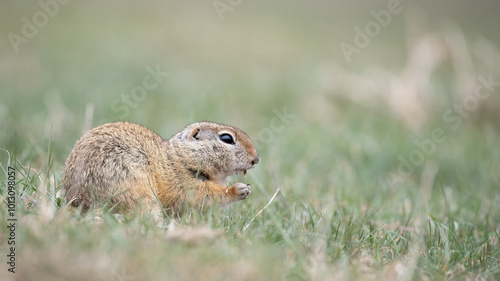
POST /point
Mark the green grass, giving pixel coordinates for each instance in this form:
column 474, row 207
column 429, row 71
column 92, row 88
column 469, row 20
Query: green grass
column 343, row 211
column 314, row 238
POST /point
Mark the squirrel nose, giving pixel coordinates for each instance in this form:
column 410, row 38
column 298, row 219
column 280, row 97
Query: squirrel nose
column 256, row 160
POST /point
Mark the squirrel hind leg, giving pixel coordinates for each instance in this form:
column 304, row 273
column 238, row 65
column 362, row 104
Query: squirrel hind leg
column 141, row 197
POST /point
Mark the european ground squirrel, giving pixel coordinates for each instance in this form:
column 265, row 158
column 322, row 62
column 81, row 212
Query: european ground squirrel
column 122, row 163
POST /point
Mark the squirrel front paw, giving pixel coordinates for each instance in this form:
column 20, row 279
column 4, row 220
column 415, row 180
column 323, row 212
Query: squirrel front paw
column 240, row 190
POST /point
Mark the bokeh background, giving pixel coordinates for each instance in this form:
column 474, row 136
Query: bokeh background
column 351, row 119
column 239, row 62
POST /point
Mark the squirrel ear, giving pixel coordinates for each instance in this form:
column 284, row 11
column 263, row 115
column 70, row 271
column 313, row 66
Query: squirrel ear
column 194, row 133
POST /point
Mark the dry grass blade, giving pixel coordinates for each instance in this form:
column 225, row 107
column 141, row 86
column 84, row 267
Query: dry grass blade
column 262, row 210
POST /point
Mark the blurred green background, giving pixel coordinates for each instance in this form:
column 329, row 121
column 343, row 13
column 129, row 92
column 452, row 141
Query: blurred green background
column 237, row 68
column 239, row 62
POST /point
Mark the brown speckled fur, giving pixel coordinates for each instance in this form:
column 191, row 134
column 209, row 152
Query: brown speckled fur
column 118, row 163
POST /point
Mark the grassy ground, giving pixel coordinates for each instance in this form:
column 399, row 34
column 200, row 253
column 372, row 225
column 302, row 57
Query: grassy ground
column 387, row 166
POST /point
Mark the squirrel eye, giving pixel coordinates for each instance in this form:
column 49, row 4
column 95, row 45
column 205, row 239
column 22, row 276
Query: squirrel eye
column 226, row 138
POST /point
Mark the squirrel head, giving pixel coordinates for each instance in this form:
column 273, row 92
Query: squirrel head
column 216, row 150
